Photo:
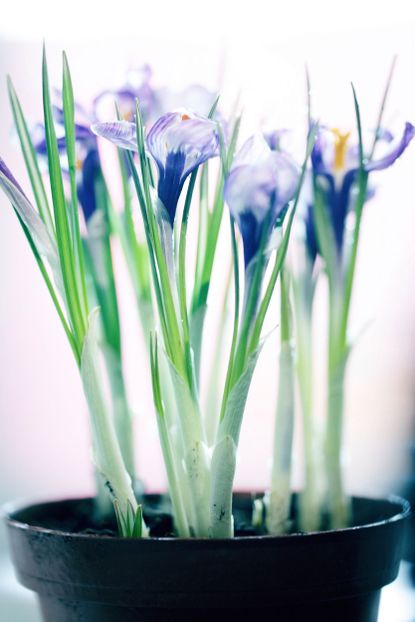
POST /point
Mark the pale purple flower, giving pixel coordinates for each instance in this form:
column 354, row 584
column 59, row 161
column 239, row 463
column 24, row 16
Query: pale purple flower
column 335, row 163
column 258, row 188
column 178, row 141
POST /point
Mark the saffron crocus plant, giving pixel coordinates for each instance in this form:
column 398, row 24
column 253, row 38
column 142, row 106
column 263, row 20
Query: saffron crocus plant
column 55, row 239
column 259, row 186
column 262, row 189
column 338, row 190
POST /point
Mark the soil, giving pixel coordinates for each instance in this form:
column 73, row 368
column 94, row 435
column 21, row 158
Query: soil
column 81, row 516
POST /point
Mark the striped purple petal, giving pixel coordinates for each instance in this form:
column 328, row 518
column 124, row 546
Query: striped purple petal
column 179, row 142
column 121, row 133
column 44, row 243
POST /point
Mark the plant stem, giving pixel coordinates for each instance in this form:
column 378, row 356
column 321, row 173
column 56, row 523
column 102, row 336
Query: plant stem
column 309, row 508
column 278, row 498
column 338, row 506
column 122, row 414
column 107, row 454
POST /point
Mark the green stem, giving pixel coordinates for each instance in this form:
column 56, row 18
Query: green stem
column 338, row 505
column 182, row 284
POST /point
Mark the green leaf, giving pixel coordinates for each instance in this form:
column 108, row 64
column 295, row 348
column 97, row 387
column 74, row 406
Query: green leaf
column 362, row 181
column 51, row 289
column 101, row 266
column 31, row 162
column 69, row 121
column 236, row 401
column 383, row 106
column 63, row 234
column 137, row 530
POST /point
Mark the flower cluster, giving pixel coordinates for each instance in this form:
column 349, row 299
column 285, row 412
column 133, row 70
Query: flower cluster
column 166, row 142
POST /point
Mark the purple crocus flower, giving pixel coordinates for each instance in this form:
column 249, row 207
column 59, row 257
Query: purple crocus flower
column 335, row 164
column 179, row 142
column 259, row 186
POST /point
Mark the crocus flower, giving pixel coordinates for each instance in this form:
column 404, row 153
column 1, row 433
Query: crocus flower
column 335, row 163
column 259, row 186
column 179, row 142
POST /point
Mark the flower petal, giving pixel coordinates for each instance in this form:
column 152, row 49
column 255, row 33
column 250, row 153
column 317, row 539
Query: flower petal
column 183, row 131
column 86, row 186
column 179, row 142
column 259, row 186
column 399, row 148
column 121, row 133
column 45, row 245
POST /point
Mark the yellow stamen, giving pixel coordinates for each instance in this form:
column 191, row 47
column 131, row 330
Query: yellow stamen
column 340, row 148
column 78, row 164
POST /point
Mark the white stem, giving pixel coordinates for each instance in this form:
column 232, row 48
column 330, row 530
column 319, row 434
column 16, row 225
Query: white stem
column 223, row 472
column 279, row 496
column 107, row 454
column 310, row 507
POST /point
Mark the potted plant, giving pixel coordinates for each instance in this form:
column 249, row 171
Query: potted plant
column 201, row 549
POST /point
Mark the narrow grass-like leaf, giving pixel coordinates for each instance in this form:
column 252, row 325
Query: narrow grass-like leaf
column 51, row 290
column 101, row 266
column 182, row 280
column 69, row 121
column 153, row 264
column 362, row 181
column 201, row 290
column 235, row 330
column 172, row 335
column 30, row 159
column 63, row 234
column 137, row 530
column 382, row 107
column 120, row 520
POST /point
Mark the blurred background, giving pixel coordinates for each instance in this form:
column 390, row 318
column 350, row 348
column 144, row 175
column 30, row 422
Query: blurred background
column 257, row 51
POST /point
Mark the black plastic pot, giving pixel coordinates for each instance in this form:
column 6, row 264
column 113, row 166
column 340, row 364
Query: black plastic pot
column 324, row 576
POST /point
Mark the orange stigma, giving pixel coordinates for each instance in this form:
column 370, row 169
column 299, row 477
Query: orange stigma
column 340, row 148
column 185, row 117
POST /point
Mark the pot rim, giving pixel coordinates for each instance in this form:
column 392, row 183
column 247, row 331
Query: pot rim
column 10, row 508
